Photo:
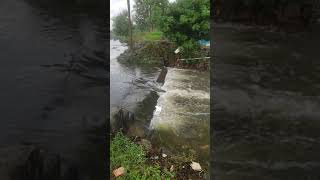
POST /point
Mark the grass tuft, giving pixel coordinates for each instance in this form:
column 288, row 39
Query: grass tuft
column 131, row 156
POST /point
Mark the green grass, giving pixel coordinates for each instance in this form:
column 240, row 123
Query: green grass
column 147, row 36
column 142, row 36
column 131, row 156
column 153, row 36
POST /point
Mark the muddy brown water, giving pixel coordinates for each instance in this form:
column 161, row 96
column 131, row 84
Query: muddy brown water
column 265, row 95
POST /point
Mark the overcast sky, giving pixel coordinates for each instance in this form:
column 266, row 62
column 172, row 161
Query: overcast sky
column 116, row 6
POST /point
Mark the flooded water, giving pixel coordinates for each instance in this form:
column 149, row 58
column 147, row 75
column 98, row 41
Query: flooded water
column 182, row 125
column 43, row 105
column 132, row 88
column 182, row 115
column 265, row 94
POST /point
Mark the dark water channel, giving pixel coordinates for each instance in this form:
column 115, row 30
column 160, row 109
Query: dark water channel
column 132, row 88
column 265, row 93
column 43, row 102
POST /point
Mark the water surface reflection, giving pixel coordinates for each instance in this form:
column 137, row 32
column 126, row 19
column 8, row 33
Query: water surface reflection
column 265, row 104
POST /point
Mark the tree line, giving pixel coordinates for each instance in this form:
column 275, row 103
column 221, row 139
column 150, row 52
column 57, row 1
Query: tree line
column 183, row 22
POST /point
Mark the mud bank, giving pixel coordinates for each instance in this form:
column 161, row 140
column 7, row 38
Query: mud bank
column 178, row 166
column 161, row 53
column 157, row 53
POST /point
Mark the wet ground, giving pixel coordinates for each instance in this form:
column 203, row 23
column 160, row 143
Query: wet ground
column 265, row 95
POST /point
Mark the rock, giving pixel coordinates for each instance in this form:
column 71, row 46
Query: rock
column 123, row 119
column 164, row 155
column 118, row 172
column 195, row 166
column 162, row 75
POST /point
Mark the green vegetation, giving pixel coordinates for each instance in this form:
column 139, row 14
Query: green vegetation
column 183, row 22
column 147, row 36
column 153, row 36
column 149, row 13
column 127, row 154
column 187, row 22
column 120, row 24
column 139, row 36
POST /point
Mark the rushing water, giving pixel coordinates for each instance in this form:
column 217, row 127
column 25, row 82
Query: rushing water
column 265, row 104
column 63, row 112
column 181, row 118
column 182, row 124
column 132, row 88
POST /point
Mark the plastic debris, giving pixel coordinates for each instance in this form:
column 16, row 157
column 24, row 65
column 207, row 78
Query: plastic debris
column 195, row 166
column 118, row 172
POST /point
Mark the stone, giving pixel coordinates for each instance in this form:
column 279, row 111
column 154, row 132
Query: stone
column 195, row 166
column 162, row 75
column 164, row 155
column 119, row 172
column 123, row 119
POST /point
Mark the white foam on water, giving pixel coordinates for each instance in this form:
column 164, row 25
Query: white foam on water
column 183, row 100
column 158, row 110
column 116, row 48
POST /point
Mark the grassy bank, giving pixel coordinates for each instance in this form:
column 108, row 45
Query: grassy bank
column 149, row 52
column 151, row 48
column 125, row 153
column 147, row 36
column 139, row 37
column 141, row 160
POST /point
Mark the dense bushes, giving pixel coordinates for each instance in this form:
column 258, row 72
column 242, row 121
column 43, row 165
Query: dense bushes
column 186, row 22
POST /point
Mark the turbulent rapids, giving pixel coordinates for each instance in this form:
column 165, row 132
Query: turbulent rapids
column 182, row 114
column 174, row 112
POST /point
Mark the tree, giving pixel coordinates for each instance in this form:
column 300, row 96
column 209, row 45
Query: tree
column 157, row 11
column 186, row 22
column 148, row 13
column 141, row 14
column 130, row 25
column 120, row 24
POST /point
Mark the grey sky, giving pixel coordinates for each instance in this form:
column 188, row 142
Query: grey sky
column 116, row 6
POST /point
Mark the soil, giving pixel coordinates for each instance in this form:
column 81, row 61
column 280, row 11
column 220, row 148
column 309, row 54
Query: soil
column 182, row 170
column 162, row 53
